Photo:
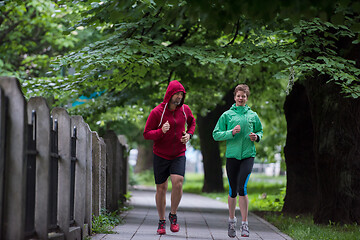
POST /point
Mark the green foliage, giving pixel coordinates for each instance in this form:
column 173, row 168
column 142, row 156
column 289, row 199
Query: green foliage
column 106, row 221
column 132, row 180
column 321, row 54
column 30, row 34
column 145, row 178
column 302, row 227
column 271, row 198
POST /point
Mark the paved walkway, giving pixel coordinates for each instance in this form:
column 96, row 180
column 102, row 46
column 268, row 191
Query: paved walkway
column 199, row 218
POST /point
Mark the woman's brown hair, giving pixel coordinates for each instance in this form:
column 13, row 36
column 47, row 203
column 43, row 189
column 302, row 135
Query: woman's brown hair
column 242, row 87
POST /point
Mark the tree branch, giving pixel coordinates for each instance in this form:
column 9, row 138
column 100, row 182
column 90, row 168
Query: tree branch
column 237, row 76
column 235, row 35
column 181, row 40
column 10, row 28
column 135, row 28
column 170, row 75
column 156, row 15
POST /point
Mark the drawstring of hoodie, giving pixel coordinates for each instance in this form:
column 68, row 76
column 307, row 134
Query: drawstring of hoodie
column 162, row 115
column 184, row 115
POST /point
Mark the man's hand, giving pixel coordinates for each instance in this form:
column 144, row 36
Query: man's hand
column 165, row 127
column 185, row 138
column 236, row 130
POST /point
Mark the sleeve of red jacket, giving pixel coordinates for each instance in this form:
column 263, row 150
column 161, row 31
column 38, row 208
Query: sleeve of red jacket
column 151, row 131
column 191, row 122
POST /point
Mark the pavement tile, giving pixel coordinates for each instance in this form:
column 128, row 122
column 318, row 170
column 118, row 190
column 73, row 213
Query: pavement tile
column 199, row 218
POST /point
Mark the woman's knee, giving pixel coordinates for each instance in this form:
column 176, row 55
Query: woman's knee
column 242, row 192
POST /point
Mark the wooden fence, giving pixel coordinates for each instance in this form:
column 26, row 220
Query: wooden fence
column 55, row 173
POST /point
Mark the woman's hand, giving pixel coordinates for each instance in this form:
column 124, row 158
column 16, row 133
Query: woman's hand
column 253, row 137
column 236, row 130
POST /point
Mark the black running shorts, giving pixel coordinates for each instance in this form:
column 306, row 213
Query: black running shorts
column 163, row 168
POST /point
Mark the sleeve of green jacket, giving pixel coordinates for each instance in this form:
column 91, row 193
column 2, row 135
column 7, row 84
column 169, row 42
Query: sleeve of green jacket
column 258, row 129
column 220, row 132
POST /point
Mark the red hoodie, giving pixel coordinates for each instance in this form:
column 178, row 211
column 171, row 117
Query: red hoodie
column 168, row 145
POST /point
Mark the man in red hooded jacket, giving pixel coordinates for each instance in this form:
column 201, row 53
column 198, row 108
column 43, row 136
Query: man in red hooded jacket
column 166, row 127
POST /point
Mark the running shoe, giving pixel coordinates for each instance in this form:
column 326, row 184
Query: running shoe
column 162, row 227
column 232, row 228
column 245, row 230
column 174, row 226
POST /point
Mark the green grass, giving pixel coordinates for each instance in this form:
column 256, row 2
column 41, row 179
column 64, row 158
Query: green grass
column 145, row 178
column 266, row 195
column 106, row 221
column 302, row 227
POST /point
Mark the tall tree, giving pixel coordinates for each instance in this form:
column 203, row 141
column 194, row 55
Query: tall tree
column 299, row 154
column 329, row 109
column 213, row 175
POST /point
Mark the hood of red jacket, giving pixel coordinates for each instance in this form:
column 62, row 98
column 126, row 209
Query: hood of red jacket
column 174, row 87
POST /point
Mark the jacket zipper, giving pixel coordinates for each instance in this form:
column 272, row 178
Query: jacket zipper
column 174, row 145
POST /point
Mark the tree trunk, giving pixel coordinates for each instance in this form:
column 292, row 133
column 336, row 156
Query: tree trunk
column 213, row 174
column 301, row 192
column 337, row 152
column 144, row 159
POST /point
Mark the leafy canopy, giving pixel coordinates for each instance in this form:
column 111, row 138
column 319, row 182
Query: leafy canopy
column 131, row 49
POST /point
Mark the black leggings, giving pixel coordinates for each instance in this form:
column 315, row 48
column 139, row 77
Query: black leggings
column 238, row 172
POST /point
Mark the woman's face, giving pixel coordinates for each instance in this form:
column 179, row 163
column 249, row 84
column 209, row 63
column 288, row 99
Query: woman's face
column 240, row 98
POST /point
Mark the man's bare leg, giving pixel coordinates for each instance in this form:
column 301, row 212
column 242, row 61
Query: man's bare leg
column 176, row 193
column 160, row 199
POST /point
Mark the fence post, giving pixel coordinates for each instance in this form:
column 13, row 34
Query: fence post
column 114, row 173
column 89, row 182
column 80, row 170
column 124, row 166
column 103, row 182
column 2, row 151
column 53, row 225
column 96, row 174
column 15, row 162
column 39, row 104
column 63, row 121
column 31, row 153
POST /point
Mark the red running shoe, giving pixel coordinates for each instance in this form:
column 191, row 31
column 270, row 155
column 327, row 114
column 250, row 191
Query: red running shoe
column 174, row 227
column 162, row 227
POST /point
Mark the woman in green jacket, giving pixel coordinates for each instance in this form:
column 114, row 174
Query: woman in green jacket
column 240, row 127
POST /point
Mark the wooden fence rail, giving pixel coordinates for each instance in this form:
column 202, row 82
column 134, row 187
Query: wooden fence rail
column 55, row 173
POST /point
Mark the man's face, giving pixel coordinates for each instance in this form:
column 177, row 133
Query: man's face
column 240, row 98
column 176, row 98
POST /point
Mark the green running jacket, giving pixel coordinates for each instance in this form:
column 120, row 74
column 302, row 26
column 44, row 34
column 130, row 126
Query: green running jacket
column 238, row 146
